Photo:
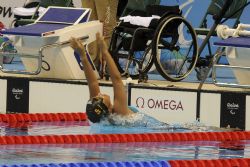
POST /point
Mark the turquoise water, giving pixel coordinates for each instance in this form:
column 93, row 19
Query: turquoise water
column 64, row 128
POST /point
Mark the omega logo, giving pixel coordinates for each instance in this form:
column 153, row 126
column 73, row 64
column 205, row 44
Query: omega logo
column 166, row 104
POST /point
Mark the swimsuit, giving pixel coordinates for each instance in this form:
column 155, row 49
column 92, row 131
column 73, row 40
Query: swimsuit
column 135, row 120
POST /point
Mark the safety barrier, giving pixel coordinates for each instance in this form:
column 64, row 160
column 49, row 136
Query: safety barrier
column 244, row 162
column 124, row 138
column 43, row 117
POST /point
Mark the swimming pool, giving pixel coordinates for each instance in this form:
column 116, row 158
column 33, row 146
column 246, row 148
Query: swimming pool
column 75, row 143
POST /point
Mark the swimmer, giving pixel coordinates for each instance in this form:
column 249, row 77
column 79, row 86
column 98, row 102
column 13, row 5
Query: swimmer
column 99, row 106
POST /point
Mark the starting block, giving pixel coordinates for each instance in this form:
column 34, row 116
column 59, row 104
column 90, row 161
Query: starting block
column 44, row 47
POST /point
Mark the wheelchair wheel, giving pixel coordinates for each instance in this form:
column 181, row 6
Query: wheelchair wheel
column 175, row 48
column 128, row 63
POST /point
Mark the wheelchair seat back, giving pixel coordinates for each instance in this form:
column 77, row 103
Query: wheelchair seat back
column 163, row 12
column 141, row 34
column 138, row 7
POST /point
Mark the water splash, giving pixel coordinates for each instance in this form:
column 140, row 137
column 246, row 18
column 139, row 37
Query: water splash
column 141, row 122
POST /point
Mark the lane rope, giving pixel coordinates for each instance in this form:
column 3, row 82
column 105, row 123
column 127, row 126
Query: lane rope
column 243, row 162
column 43, row 117
column 126, row 138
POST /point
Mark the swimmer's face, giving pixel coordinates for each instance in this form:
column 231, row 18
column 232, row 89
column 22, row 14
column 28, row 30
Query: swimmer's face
column 106, row 101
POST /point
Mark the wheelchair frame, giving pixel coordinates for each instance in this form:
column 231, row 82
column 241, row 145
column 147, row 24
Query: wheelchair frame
column 161, row 39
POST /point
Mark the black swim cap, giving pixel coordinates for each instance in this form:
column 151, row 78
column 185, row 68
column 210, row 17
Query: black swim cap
column 96, row 110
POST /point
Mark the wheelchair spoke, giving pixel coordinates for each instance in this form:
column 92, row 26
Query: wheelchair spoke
column 173, row 51
column 129, row 62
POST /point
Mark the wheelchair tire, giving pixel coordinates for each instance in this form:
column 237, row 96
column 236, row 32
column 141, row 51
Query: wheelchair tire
column 175, row 48
column 122, row 57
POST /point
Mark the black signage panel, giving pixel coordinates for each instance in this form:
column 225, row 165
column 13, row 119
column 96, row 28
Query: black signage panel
column 17, row 95
column 233, row 110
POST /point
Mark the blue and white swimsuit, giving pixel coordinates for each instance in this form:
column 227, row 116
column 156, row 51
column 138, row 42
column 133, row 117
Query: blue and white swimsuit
column 135, row 120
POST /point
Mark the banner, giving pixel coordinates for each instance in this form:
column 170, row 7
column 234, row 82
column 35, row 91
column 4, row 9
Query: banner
column 233, row 110
column 17, row 95
column 170, row 106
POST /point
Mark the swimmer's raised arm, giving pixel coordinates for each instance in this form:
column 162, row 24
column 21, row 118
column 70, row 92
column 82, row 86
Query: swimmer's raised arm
column 120, row 98
column 94, row 89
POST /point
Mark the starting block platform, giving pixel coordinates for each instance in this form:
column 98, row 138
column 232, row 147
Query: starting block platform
column 44, row 46
column 240, row 42
column 237, row 52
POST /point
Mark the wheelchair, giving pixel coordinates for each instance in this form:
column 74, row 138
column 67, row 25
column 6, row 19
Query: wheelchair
column 169, row 43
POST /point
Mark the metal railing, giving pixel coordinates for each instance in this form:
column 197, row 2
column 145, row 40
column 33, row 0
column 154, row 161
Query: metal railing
column 39, row 57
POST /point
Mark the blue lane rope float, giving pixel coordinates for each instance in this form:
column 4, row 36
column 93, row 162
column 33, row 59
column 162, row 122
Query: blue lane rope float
column 99, row 164
column 242, row 162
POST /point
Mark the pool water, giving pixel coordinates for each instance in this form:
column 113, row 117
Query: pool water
column 75, row 127
column 74, row 153
column 106, row 152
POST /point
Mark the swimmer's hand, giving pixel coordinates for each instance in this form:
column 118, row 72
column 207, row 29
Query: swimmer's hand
column 101, row 43
column 102, row 47
column 77, row 46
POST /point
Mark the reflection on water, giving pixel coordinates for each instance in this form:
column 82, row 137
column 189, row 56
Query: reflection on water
column 73, row 153
column 43, row 128
column 62, row 128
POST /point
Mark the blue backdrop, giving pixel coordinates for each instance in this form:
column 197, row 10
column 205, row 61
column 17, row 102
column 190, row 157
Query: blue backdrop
column 198, row 8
